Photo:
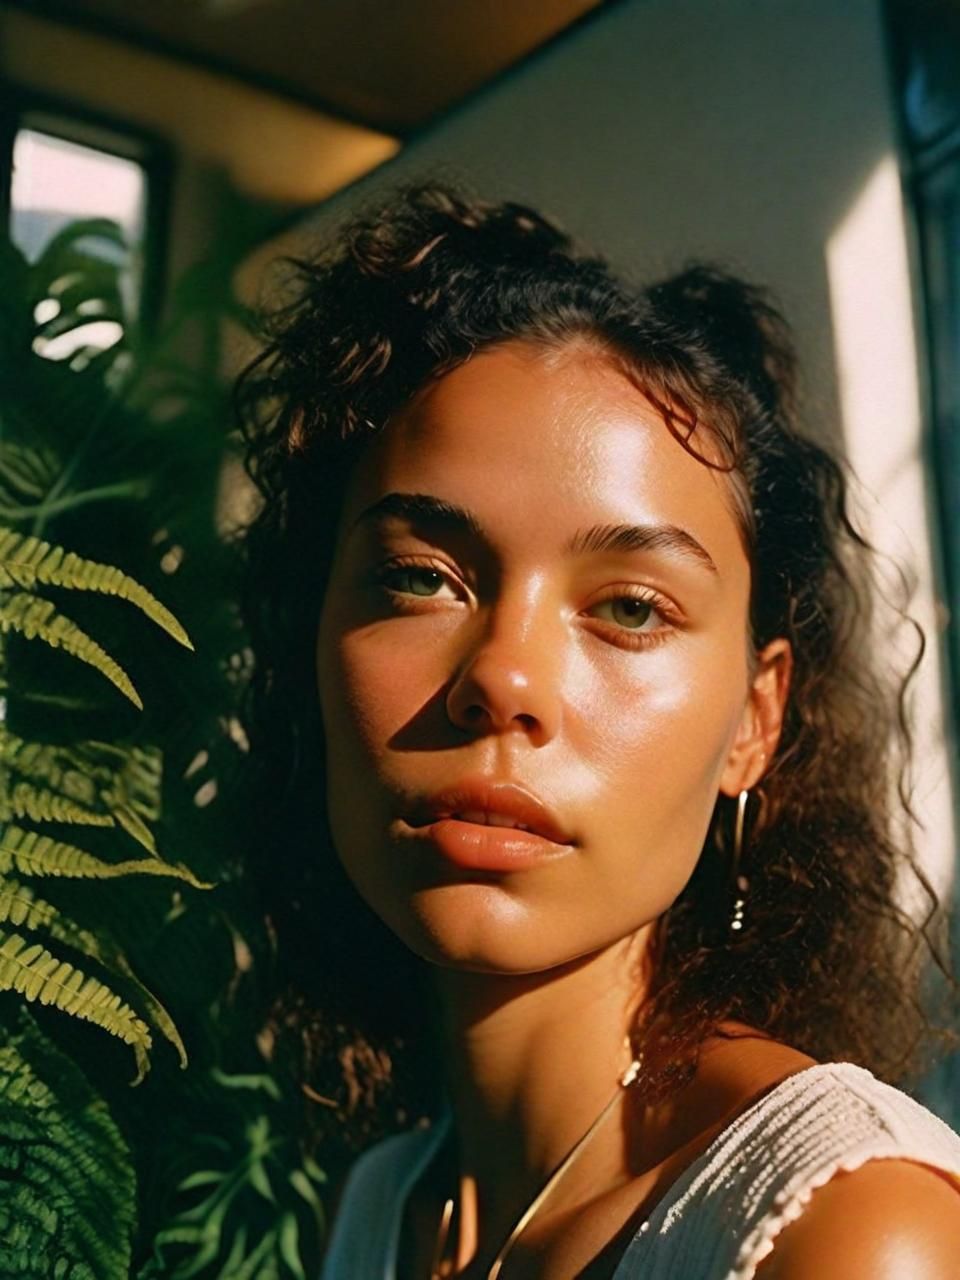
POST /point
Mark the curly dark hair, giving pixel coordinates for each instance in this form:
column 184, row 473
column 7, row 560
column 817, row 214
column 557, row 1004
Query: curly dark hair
column 829, row 960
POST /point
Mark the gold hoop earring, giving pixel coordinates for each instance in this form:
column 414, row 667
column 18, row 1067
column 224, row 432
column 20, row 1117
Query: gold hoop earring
column 741, row 883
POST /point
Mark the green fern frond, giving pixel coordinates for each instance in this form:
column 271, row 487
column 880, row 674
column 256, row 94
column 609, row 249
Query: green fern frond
column 80, row 772
column 61, row 701
column 20, row 906
column 29, row 472
column 133, row 792
column 158, row 1014
column 28, row 967
column 140, row 768
column 49, row 763
column 136, row 827
column 25, row 561
column 69, row 1208
column 32, row 854
column 40, row 805
column 33, row 616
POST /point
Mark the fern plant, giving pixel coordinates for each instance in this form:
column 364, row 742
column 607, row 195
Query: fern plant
column 111, row 750
column 41, row 782
column 71, row 1206
column 67, row 1164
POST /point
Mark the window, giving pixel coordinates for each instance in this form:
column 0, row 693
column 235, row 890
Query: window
column 925, row 48
column 56, row 181
column 925, row 42
column 65, row 170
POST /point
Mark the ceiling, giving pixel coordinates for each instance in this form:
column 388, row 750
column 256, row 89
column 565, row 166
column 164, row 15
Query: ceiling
column 388, row 64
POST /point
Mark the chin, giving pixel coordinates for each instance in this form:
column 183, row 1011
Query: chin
column 478, row 928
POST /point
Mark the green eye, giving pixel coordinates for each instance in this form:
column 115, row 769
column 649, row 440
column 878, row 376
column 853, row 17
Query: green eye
column 412, row 578
column 628, row 611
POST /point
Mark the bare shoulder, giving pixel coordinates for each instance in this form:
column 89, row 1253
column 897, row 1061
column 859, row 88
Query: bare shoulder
column 742, row 1063
column 888, row 1219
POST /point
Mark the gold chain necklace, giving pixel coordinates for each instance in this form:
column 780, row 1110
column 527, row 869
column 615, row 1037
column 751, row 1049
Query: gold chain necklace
column 440, row 1272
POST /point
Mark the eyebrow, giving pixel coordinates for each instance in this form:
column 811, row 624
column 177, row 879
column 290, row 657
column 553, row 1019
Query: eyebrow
column 424, row 508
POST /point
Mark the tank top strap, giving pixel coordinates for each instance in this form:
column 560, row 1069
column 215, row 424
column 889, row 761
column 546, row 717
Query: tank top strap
column 365, row 1238
column 721, row 1217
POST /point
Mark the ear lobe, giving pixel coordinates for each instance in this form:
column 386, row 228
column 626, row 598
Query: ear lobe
column 762, row 722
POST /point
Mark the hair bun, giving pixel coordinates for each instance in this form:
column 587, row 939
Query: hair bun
column 741, row 326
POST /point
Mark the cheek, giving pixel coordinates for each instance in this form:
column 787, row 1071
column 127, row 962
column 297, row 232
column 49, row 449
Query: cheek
column 673, row 710
column 356, row 713
column 657, row 734
column 374, row 690
column 372, row 682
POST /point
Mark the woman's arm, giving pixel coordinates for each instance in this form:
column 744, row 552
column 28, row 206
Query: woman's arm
column 887, row 1220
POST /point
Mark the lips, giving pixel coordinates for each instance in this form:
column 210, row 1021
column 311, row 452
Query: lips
column 491, row 803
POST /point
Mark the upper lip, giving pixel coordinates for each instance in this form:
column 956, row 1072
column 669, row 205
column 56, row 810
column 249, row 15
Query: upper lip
column 490, row 796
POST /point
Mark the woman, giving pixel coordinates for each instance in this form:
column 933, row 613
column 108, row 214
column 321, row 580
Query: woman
column 541, row 550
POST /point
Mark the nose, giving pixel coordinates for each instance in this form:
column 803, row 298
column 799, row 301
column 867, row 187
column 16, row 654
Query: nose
column 510, row 677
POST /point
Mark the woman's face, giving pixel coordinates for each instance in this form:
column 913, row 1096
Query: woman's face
column 499, row 637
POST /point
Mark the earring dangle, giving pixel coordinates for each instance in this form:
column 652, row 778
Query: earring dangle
column 741, row 883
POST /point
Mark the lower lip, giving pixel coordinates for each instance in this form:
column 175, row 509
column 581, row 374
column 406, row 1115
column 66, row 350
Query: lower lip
column 479, row 847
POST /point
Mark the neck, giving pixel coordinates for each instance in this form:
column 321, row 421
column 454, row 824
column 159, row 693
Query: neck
column 531, row 1060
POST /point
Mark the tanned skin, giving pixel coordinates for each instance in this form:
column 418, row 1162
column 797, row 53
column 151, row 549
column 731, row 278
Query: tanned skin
column 499, row 651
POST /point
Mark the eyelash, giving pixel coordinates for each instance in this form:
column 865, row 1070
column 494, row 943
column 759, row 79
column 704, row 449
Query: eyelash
column 631, row 639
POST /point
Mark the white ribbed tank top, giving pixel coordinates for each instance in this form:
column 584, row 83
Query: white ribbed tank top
column 721, row 1216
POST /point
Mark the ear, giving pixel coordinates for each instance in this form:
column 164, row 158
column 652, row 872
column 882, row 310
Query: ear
column 759, row 730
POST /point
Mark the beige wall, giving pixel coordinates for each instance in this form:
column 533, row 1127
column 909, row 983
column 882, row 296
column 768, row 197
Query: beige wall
column 761, row 135
column 223, row 134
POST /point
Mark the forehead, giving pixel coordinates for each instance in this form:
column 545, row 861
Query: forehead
column 541, row 442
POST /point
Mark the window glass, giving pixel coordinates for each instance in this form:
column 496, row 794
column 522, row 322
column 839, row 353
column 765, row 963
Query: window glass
column 56, row 183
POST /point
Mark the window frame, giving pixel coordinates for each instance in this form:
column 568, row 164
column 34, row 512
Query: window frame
column 71, row 122
column 922, row 160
